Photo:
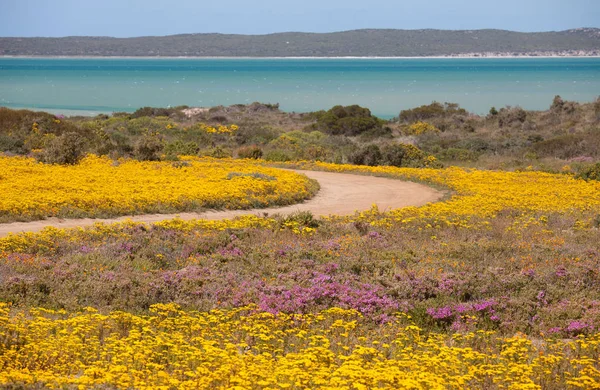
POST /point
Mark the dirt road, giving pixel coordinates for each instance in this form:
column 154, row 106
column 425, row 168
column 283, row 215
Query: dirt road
column 340, row 194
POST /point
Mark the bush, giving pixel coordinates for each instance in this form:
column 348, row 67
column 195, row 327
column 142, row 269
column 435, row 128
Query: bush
column 149, row 147
column 590, row 173
column 564, row 146
column 419, row 127
column 559, row 106
column 251, row 133
column 277, row 156
column 368, row 155
column 350, row 120
column 253, row 152
column 180, row 148
column 508, row 116
column 65, row 149
column 12, row 144
column 458, row 154
column 219, row 152
column 433, row 110
column 157, row 111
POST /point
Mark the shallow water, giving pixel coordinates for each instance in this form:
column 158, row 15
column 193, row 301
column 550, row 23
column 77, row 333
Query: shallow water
column 386, row 86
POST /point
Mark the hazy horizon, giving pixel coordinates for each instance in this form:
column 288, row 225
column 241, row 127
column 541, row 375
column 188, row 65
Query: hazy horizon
column 292, row 32
column 136, row 18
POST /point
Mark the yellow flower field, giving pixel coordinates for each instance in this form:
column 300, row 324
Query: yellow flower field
column 481, row 194
column 477, row 197
column 336, row 348
column 99, row 187
column 244, row 349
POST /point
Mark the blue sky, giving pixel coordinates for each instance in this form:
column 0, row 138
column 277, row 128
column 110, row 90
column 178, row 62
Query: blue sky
column 124, row 18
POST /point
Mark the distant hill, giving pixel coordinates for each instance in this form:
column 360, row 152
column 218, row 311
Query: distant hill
column 360, row 43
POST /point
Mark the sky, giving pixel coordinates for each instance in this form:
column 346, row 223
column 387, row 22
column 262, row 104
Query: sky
column 127, row 18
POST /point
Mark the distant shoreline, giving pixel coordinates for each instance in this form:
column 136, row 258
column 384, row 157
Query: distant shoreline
column 459, row 57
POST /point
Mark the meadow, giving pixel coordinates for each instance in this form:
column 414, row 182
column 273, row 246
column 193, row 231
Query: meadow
column 101, row 187
column 494, row 287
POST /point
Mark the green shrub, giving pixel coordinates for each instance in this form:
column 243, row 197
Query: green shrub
column 368, row 155
column 12, row 144
column 299, row 219
column 218, row 152
column 149, row 147
column 590, row 173
column 253, row 152
column 65, row 149
column 180, row 148
column 158, row 111
column 457, row 154
column 433, row 110
column 350, row 121
column 252, row 133
column 277, row 156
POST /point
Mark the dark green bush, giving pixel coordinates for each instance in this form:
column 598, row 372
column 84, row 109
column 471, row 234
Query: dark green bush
column 590, row 173
column 564, row 146
column 457, row 154
column 158, row 111
column 65, row 149
column 277, row 156
column 12, row 144
column 350, row 120
column 368, row 155
column 149, row 147
column 433, row 110
column 180, row 148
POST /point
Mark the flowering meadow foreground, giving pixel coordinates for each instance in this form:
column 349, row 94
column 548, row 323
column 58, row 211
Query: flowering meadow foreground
column 496, row 287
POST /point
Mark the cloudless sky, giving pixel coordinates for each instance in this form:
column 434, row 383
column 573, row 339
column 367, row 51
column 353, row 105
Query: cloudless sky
column 126, row 18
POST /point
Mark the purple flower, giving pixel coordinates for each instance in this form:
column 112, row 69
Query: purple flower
column 561, row 272
column 374, row 235
column 481, row 306
column 529, row 272
column 577, row 326
column 555, row 330
column 462, row 308
column 441, row 313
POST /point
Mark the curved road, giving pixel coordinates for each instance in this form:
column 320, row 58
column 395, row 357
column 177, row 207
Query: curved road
column 340, row 194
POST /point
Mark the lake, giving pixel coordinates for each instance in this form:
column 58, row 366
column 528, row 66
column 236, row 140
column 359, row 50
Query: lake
column 386, row 86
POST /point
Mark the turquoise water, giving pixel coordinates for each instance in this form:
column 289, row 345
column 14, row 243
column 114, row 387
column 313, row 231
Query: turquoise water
column 386, row 86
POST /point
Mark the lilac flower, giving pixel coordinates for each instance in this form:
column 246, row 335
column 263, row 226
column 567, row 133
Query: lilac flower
column 529, row 272
column 462, row 308
column 374, row 235
column 234, row 252
column 458, row 326
column 577, row 326
column 441, row 313
column 481, row 306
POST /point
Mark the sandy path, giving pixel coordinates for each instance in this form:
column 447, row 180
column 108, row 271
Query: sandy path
column 340, row 194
